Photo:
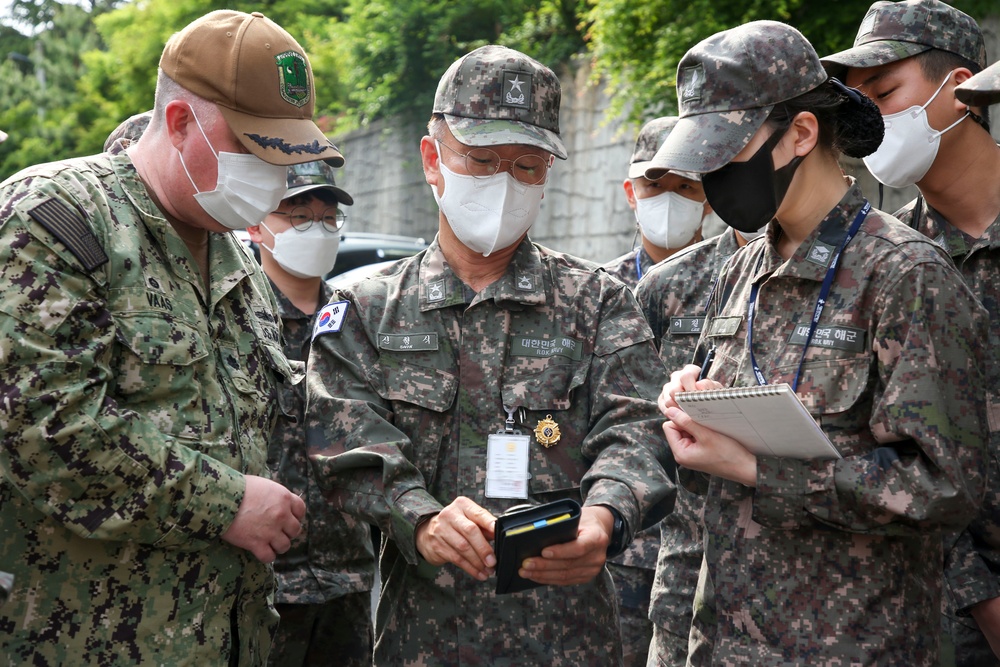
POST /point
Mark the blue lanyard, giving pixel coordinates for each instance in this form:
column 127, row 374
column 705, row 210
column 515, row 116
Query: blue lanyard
column 638, row 264
column 824, row 292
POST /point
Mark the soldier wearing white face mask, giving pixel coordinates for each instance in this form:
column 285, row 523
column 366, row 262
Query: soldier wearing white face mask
column 912, row 59
column 670, row 212
column 325, row 579
column 413, row 371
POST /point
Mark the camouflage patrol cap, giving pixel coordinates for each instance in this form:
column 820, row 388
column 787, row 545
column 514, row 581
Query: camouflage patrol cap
column 259, row 77
column 129, row 130
column 495, row 95
column 314, row 175
column 893, row 31
column 727, row 85
column 982, row 89
column 650, row 138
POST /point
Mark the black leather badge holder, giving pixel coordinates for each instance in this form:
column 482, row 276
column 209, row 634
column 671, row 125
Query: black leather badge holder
column 522, row 532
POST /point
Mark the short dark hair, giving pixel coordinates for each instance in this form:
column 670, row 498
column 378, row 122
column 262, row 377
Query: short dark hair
column 936, row 64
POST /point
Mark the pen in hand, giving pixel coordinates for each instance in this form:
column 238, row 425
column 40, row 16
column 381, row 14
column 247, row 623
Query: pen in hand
column 707, row 363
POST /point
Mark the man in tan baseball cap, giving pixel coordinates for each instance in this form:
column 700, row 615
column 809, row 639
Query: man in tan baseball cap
column 143, row 362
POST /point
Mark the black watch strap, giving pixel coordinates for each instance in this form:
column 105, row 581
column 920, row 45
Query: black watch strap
column 617, row 544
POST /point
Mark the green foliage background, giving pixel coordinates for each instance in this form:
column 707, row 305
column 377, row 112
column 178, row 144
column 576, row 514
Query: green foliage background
column 69, row 73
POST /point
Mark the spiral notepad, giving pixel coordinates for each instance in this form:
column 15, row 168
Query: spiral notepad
column 769, row 420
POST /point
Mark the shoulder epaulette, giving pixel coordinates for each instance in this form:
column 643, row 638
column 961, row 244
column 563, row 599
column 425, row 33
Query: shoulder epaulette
column 67, row 225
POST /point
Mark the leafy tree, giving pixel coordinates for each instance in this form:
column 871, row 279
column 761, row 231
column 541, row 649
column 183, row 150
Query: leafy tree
column 395, row 51
column 636, row 46
column 40, row 112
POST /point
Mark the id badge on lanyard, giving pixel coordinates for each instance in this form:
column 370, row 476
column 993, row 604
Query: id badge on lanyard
column 507, row 461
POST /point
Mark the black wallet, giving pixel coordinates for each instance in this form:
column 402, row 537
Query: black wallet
column 522, row 532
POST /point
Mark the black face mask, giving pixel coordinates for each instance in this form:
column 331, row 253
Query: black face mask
column 746, row 195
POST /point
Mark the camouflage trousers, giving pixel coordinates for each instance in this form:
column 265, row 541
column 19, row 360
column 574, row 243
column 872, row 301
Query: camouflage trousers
column 336, row 633
column 633, row 586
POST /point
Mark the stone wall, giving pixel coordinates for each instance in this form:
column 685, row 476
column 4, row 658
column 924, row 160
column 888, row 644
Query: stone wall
column 584, row 211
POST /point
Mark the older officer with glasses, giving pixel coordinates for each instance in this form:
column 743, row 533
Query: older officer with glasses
column 413, row 372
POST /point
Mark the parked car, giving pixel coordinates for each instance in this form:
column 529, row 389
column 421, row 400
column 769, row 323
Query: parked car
column 357, row 273
column 362, row 248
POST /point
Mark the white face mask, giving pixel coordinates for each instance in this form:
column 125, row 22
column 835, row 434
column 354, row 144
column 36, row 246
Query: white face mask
column 669, row 220
column 487, row 214
column 246, row 190
column 308, row 254
column 909, row 147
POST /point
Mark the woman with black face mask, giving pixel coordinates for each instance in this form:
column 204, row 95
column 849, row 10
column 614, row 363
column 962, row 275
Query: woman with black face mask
column 820, row 561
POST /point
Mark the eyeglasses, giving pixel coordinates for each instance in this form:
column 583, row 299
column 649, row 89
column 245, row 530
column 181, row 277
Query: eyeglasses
column 302, row 218
column 483, row 163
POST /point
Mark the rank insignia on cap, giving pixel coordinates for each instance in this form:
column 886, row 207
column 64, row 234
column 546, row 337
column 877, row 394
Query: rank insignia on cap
column 547, row 431
column 294, row 77
column 517, row 90
column 693, row 78
column 868, row 24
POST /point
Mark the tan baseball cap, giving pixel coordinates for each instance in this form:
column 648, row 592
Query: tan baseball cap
column 259, row 77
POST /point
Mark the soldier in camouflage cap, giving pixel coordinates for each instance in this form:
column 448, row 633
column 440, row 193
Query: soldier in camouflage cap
column 142, row 368
column 821, row 561
column 325, row 578
column 913, row 59
column 893, row 31
column 982, row 89
column 669, row 211
column 413, row 371
column 727, row 85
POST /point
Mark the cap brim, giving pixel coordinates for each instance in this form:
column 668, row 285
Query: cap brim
column 282, row 141
column 637, row 169
column 494, row 132
column 977, row 98
column 705, row 142
column 341, row 195
column 871, row 54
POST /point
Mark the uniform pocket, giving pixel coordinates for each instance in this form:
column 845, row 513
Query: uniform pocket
column 551, row 400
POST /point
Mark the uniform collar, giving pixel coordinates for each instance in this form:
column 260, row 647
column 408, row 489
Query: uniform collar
column 813, row 256
column 521, row 284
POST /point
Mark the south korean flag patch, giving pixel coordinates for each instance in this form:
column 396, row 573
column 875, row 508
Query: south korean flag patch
column 330, row 318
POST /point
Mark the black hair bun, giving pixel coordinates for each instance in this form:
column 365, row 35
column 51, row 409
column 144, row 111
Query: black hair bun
column 860, row 127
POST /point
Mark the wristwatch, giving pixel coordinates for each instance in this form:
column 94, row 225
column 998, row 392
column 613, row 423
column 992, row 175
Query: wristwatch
column 617, row 544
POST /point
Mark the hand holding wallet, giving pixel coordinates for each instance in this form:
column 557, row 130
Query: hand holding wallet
column 523, row 531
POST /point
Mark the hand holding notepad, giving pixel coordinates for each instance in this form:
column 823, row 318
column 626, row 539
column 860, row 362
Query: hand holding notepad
column 768, row 420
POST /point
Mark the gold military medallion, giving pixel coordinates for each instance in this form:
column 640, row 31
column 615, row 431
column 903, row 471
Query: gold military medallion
column 547, row 432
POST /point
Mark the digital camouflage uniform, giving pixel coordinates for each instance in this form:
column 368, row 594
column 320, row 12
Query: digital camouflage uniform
column 973, row 558
column 891, row 32
column 134, row 400
column 630, row 267
column 6, row 583
column 406, row 392
column 325, row 578
column 840, row 562
column 633, row 569
column 674, row 298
